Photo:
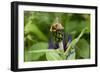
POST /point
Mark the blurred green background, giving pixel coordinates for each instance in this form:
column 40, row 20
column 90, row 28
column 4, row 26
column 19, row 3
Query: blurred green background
column 37, row 28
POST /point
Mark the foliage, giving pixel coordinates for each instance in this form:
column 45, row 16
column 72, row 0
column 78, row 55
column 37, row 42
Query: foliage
column 37, row 32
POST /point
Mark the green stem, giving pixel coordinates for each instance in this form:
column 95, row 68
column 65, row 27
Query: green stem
column 74, row 41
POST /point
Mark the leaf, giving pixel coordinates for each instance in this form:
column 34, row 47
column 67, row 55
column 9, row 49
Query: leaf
column 27, row 56
column 71, row 55
column 83, row 49
column 40, row 51
column 61, row 53
column 40, row 45
column 53, row 55
column 31, row 55
column 34, row 29
column 77, row 23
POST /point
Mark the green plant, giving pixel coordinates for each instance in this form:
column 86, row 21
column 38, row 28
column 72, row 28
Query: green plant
column 37, row 33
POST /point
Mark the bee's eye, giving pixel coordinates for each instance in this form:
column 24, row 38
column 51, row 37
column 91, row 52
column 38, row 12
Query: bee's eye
column 53, row 27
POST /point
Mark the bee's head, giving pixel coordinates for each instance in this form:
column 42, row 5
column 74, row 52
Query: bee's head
column 55, row 27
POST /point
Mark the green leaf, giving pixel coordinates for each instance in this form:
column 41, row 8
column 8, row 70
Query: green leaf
column 53, row 55
column 39, row 46
column 61, row 53
column 83, row 49
column 31, row 55
column 40, row 51
column 77, row 23
column 27, row 56
column 34, row 29
column 71, row 55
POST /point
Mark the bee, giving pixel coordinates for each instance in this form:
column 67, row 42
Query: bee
column 59, row 38
column 57, row 30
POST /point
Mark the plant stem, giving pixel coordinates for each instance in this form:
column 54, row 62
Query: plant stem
column 73, row 43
